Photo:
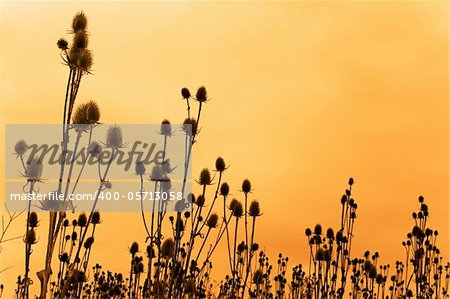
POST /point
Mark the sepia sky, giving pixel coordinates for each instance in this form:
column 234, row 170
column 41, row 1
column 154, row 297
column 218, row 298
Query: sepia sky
column 304, row 96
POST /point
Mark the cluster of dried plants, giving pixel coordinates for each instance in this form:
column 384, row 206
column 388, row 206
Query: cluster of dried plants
column 179, row 264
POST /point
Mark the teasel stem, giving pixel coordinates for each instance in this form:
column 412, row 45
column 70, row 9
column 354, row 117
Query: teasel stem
column 234, row 246
column 203, row 244
column 27, row 243
column 249, row 262
column 246, row 225
column 188, row 108
column 213, row 202
column 72, row 163
column 228, row 233
column 91, row 128
column 142, row 207
column 152, row 239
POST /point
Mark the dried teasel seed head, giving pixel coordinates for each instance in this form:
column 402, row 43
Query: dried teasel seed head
column 79, row 22
column 190, row 126
column 202, row 95
column 258, row 277
column 92, row 112
column 79, row 117
column 86, row 60
column 80, row 40
column 254, row 209
column 205, row 177
column 114, row 137
column 20, row 148
column 139, row 168
column 350, row 181
column 95, row 149
column 318, row 229
column 82, row 220
column 95, row 218
column 168, row 248
column 88, row 243
column 330, row 233
column 200, row 201
column 157, row 173
column 308, row 232
column 33, row 220
column 246, row 186
column 233, row 203
column 134, row 248
column 74, row 236
column 30, row 237
column 185, row 93
column 212, row 221
column 238, row 210
column 224, row 189
column 34, row 169
column 220, row 164
column 166, row 128
column 62, row 44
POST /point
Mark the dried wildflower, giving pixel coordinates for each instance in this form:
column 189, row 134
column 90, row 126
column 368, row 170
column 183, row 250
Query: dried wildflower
column 140, row 168
column 246, row 186
column 95, row 149
column 20, row 148
column 168, row 248
column 258, row 277
column 200, row 201
column 220, row 164
column 212, row 221
column 79, row 22
column 107, row 185
column 254, row 209
column 350, row 181
column 330, row 233
column 114, row 137
column 82, row 220
column 320, row 254
column 201, row 95
column 64, row 257
column 185, row 93
column 166, row 128
column 224, row 189
column 233, row 203
column 157, row 173
column 308, row 232
column 205, row 177
column 85, row 60
column 88, row 243
column 30, row 238
column 190, row 126
column 62, row 44
column 134, row 248
column 34, row 169
column 92, row 112
column 80, row 40
column 79, row 117
column 238, row 210
column 95, row 218
column 33, row 220
column 318, row 229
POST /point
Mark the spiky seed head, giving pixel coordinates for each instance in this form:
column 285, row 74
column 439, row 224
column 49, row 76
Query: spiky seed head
column 114, row 137
column 95, row 218
column 150, row 251
column 33, row 220
column 318, row 229
column 95, row 149
column 86, row 60
column 200, row 201
column 212, row 221
column 201, row 95
column 30, row 237
column 168, row 248
column 88, row 243
column 74, row 236
column 62, row 44
column 330, row 233
column 350, row 181
column 80, row 40
column 166, row 185
column 79, row 117
column 220, row 164
column 185, row 93
column 134, row 248
column 21, row 148
column 92, row 112
column 82, row 220
column 224, row 189
column 258, row 277
column 233, row 203
column 320, row 254
column 166, row 128
column 66, row 223
column 79, row 22
column 246, row 186
column 190, row 126
column 308, row 232
column 140, row 168
column 254, row 209
column 64, row 257
column 34, row 169
column 254, row 247
column 157, row 173
column 205, row 177
column 238, row 210
column 107, row 185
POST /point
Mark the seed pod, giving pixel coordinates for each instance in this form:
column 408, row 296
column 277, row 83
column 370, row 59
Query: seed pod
column 21, row 148
column 246, row 186
column 238, row 210
column 114, row 137
column 62, row 44
column 202, row 95
column 220, row 164
column 33, row 220
column 30, row 238
column 80, row 40
column 168, row 248
column 200, row 201
column 34, row 169
column 185, row 93
column 82, row 220
column 79, row 22
column 258, row 277
column 254, row 209
column 166, row 128
column 212, row 221
column 224, row 189
column 92, row 112
column 134, row 248
column 318, row 229
column 140, row 168
column 95, row 149
column 95, row 218
column 205, row 177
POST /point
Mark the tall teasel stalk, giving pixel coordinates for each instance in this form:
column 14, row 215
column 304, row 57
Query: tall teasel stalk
column 79, row 60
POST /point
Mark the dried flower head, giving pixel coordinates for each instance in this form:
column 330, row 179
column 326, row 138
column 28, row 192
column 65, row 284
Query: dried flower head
column 85, row 60
column 157, row 173
column 224, row 189
column 88, row 243
column 114, row 137
column 200, row 201
column 233, row 203
column 34, row 169
column 79, row 22
column 30, row 237
column 202, row 95
column 205, row 177
column 238, row 210
column 190, row 126
column 62, row 44
column 318, row 229
column 258, row 277
column 82, row 220
column 246, row 186
column 166, row 128
column 21, row 148
column 92, row 112
column 95, row 149
column 95, row 218
column 168, row 248
column 79, row 117
column 212, row 221
column 80, row 40
column 254, row 209
column 185, row 93
column 220, row 164
column 33, row 220
column 140, row 168
column 134, row 248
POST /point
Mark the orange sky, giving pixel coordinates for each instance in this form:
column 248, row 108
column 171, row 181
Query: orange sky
column 305, row 95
